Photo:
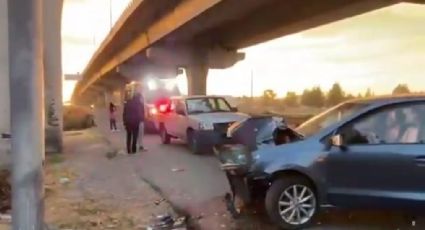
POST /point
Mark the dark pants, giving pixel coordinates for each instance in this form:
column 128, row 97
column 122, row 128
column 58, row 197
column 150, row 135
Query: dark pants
column 113, row 124
column 132, row 136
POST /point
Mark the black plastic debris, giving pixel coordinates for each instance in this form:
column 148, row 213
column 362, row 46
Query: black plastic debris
column 230, row 204
column 166, row 222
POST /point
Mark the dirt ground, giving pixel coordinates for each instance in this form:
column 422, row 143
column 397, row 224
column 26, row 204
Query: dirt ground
column 91, row 186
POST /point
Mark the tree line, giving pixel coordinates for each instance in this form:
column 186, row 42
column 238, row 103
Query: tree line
column 316, row 97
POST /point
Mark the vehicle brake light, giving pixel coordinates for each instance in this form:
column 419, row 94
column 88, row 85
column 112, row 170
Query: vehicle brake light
column 163, row 108
column 163, row 105
column 153, row 111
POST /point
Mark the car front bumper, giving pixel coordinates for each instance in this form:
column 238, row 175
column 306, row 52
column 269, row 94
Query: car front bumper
column 247, row 187
column 209, row 138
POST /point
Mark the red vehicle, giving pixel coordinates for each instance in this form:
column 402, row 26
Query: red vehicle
column 156, row 94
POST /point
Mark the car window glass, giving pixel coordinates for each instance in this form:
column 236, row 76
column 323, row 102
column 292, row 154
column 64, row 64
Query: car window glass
column 207, row 105
column 329, row 118
column 222, row 105
column 393, row 125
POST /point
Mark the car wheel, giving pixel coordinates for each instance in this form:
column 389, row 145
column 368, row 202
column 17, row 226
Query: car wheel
column 165, row 137
column 88, row 122
column 291, row 202
column 193, row 142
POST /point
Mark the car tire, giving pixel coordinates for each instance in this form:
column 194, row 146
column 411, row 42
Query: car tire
column 290, row 213
column 193, row 142
column 88, row 122
column 165, row 137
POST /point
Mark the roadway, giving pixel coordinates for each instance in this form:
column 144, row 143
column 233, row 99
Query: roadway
column 196, row 185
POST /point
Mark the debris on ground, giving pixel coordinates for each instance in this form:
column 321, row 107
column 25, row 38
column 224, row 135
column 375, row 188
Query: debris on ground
column 166, row 222
column 64, row 180
column 158, row 202
column 88, row 191
column 229, row 200
column 111, row 154
column 199, row 217
column 5, row 191
column 177, row 170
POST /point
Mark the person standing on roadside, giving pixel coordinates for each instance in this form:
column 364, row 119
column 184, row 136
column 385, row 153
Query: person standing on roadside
column 133, row 115
column 112, row 117
column 142, row 124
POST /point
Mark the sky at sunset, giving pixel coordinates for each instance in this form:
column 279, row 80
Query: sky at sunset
column 377, row 50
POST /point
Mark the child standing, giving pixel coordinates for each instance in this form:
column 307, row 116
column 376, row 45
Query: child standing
column 112, row 117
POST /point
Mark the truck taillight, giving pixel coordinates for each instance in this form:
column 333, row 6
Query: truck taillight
column 153, row 111
column 163, row 108
column 163, row 105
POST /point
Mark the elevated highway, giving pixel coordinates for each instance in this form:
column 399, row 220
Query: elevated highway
column 158, row 36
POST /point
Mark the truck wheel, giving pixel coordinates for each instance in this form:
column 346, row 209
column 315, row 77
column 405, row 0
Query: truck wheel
column 193, row 142
column 165, row 137
column 291, row 202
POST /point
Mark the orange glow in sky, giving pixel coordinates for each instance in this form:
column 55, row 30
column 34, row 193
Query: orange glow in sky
column 378, row 50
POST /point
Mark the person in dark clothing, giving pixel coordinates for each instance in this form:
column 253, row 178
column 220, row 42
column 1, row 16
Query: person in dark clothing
column 112, row 117
column 133, row 115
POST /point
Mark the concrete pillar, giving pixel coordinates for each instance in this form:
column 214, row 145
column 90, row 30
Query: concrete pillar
column 27, row 126
column 52, row 18
column 100, row 100
column 122, row 95
column 197, row 73
column 4, row 70
column 197, row 79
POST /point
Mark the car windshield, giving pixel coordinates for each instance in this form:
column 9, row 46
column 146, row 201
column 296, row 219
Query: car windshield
column 207, row 105
column 329, row 117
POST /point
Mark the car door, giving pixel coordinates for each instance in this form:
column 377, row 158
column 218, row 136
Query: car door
column 170, row 120
column 373, row 170
column 181, row 119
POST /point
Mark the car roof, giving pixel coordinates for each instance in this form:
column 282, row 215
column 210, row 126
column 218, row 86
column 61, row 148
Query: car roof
column 195, row 97
column 388, row 99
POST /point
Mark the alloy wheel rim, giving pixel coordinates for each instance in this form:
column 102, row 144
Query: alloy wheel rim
column 297, row 204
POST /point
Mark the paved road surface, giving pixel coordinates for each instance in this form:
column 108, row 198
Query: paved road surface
column 195, row 184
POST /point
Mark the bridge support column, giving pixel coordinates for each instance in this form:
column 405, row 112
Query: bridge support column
column 26, row 93
column 100, row 100
column 52, row 62
column 197, row 79
column 108, row 97
column 197, row 73
column 122, row 96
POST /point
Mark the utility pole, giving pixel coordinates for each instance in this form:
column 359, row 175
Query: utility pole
column 27, row 108
column 110, row 14
column 252, row 84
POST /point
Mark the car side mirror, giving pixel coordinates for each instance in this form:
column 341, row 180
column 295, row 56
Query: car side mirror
column 337, row 141
column 234, row 109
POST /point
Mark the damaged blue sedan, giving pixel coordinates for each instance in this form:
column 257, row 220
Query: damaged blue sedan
column 367, row 153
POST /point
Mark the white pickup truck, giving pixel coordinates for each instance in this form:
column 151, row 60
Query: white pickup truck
column 201, row 121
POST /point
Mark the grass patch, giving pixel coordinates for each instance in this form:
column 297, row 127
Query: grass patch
column 56, row 158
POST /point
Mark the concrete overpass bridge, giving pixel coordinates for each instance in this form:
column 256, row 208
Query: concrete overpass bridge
column 151, row 36
column 157, row 36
